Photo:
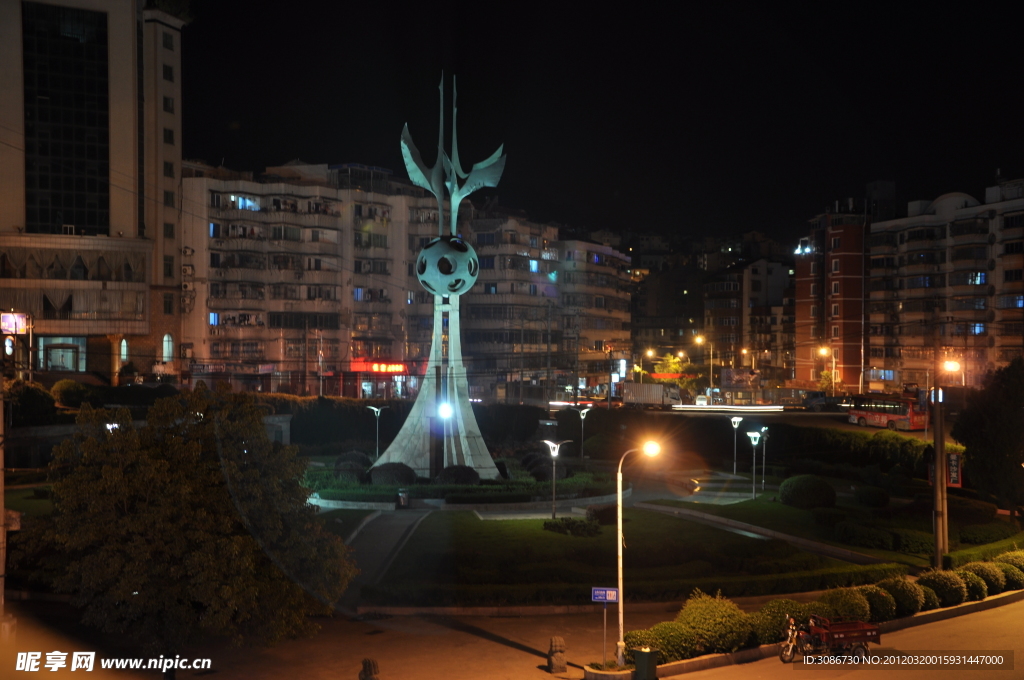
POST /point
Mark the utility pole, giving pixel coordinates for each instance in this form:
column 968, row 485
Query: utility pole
column 940, row 522
column 7, row 623
column 547, row 380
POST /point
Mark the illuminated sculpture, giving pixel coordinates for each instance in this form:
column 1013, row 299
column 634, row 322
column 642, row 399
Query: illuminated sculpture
column 447, row 267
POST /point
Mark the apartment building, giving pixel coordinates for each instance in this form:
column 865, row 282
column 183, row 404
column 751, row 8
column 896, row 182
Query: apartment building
column 90, row 106
column 946, row 285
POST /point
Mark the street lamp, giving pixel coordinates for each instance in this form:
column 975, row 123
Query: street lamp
column 583, row 417
column 651, row 449
column 736, row 420
column 711, row 373
column 954, row 367
column 764, row 453
column 554, row 446
column 376, row 411
column 827, row 351
column 755, row 437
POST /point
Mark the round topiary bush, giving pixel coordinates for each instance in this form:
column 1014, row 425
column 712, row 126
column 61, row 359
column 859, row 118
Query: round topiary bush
column 976, row 588
column 541, row 471
column 457, row 474
column 675, row 641
column 1014, row 557
column 769, row 623
column 992, row 575
column 815, row 608
column 392, row 474
column 908, row 596
column 349, row 473
column 948, row 586
column 931, row 600
column 355, row 456
column 719, row 624
column 69, row 393
column 883, row 605
column 636, row 639
column 872, row 496
column 807, row 491
column 848, row 603
column 1012, row 576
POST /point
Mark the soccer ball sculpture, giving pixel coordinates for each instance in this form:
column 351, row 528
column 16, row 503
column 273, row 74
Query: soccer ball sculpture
column 447, row 266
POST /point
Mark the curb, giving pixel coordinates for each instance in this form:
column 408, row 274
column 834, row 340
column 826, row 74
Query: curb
column 366, row 520
column 714, row 520
column 439, row 504
column 513, row 611
column 765, row 651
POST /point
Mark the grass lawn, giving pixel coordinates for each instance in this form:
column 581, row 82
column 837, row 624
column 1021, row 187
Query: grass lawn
column 341, row 523
column 24, row 501
column 455, row 548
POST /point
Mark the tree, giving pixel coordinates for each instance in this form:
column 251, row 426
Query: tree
column 191, row 526
column 991, row 428
column 825, row 383
column 691, row 378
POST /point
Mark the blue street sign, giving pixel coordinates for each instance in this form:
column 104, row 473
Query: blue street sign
column 604, row 594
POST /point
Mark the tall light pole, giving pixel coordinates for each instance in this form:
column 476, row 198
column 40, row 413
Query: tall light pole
column 755, row 437
column 827, row 351
column 376, row 411
column 764, row 453
column 554, row 446
column 711, row 371
column 955, row 367
column 736, row 420
column 583, row 418
column 650, row 449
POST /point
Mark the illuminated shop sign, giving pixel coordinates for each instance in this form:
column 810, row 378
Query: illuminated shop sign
column 377, row 367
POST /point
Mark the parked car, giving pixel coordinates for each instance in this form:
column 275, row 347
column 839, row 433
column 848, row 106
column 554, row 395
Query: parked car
column 700, row 400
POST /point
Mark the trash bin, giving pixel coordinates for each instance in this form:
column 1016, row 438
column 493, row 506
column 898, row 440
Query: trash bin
column 402, row 501
column 646, row 664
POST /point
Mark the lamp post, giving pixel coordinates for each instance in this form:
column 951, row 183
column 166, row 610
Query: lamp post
column 711, row 371
column 650, row 449
column 376, row 411
column 827, row 351
column 554, row 446
column 736, row 420
column 764, row 453
column 755, row 437
column 583, row 417
column 955, row 367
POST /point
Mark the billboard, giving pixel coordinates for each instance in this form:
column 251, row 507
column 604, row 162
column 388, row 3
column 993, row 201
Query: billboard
column 12, row 323
column 740, row 379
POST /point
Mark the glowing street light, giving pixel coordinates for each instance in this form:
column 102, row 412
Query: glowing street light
column 376, row 411
column 554, row 446
column 954, row 367
column 827, row 351
column 650, row 449
column 755, row 437
column 583, row 418
column 736, row 420
column 711, row 376
column 445, row 411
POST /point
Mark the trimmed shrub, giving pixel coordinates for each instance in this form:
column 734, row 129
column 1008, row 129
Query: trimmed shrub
column 911, row 541
column 769, row 623
column 948, row 586
column 872, row 496
column 816, row 608
column 807, row 491
column 979, row 534
column 970, row 510
column 848, row 603
column 69, row 393
column 30, row 403
column 1014, row 557
column 458, row 474
column 349, row 473
column 720, row 625
column 828, row 517
column 572, row 526
column 883, row 605
column 866, row 537
column 676, row 641
column 542, row 471
column 907, row 595
column 991, row 551
column 992, row 575
column 354, row 456
column 976, row 588
column 635, row 639
column 605, row 515
column 1013, row 578
column 931, row 600
column 392, row 474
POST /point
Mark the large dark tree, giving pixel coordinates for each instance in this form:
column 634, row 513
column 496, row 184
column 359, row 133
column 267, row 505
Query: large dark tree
column 190, row 526
column 991, row 428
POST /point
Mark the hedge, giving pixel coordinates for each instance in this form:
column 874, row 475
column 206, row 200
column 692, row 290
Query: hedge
column 948, row 586
column 851, row 533
column 907, row 595
column 976, row 588
column 1012, row 576
column 848, row 603
column 959, row 558
column 769, row 623
column 912, row 542
column 677, row 641
column 806, row 492
column 485, row 497
column 881, row 602
column 1014, row 557
column 872, row 496
column 992, row 575
column 931, row 600
column 718, row 623
column 980, row 534
column 572, row 526
column 828, row 517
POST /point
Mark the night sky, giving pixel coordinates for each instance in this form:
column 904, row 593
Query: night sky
column 696, row 120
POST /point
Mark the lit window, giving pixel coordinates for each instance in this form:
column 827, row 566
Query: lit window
column 124, row 351
column 214, row 319
column 534, row 266
column 168, row 347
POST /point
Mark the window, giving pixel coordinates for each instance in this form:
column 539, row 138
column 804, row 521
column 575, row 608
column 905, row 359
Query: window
column 1013, row 247
column 814, row 267
column 491, row 288
column 835, row 310
column 168, row 347
column 169, row 104
column 534, row 266
column 124, row 351
column 835, row 288
column 314, row 236
column 169, row 199
column 168, row 136
column 599, row 301
column 835, row 331
column 168, row 266
column 968, row 278
column 1013, row 221
column 1013, row 275
column 485, row 239
column 835, row 266
column 1010, row 302
column 487, row 262
column 835, row 243
column 814, row 289
column 168, row 303
column 168, row 229
column 215, row 260
column 168, row 73
column 814, row 311
column 168, row 41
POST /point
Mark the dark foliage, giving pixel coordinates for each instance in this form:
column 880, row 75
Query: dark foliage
column 851, row 533
column 908, row 596
column 872, row 496
column 948, row 586
column 392, row 474
column 458, row 474
column 572, row 526
column 807, row 491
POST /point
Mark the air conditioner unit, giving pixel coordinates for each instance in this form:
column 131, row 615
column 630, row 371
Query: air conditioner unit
column 187, row 270
column 188, row 285
column 186, row 250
